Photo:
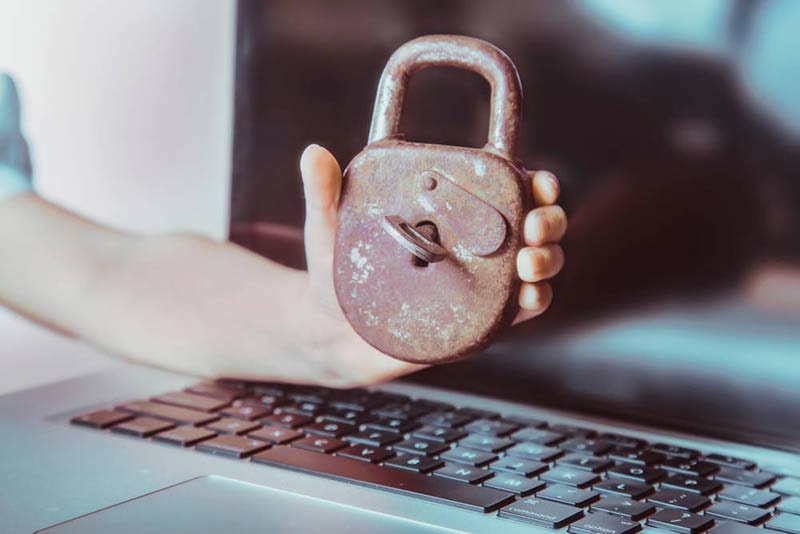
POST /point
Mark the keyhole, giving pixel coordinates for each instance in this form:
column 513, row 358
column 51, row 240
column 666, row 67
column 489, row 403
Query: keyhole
column 429, row 230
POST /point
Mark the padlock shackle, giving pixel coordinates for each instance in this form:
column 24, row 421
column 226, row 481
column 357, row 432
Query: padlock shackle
column 452, row 51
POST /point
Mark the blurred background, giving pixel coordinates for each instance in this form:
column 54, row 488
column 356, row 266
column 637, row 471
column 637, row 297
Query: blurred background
column 675, row 130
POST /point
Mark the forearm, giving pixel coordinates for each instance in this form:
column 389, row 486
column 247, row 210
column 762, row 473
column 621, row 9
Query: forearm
column 178, row 300
column 50, row 257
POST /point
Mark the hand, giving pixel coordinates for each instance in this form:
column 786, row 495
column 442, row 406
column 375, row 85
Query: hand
column 322, row 179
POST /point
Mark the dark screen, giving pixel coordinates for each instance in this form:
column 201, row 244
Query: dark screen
column 678, row 153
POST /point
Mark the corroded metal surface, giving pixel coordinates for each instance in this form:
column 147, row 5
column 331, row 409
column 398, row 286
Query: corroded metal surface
column 470, row 202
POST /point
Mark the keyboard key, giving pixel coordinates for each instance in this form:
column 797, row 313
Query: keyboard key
column 788, row 486
column 168, row 413
column 401, row 411
column 585, row 463
column 352, row 417
column 396, row 425
column 570, row 477
column 472, row 457
column 627, row 442
column 288, row 420
column 420, row 446
column 355, row 401
column 440, row 434
column 674, row 450
column 218, row 391
column 751, row 496
column 729, row 527
column 569, row 495
column 477, row 413
column 639, row 473
column 272, row 388
column 436, row 489
column 693, row 484
column 486, row 443
column 634, row 457
column 604, row 524
column 246, row 412
column 276, row 435
column 573, row 431
column 192, row 401
column 595, row 447
column 532, row 451
column 634, row 490
column 541, row 512
column 514, row 483
column 538, row 435
column 232, row 445
column 624, row 507
column 526, row 468
column 790, row 505
column 311, row 409
column 491, row 427
column 738, row 512
column 375, row 438
column 414, row 462
column 266, row 401
column 463, row 473
column 330, row 429
column 365, row 453
column 785, row 523
column 185, row 436
column 142, row 427
column 680, row 521
column 730, row 461
column 754, row 479
column 313, row 394
column 446, row 419
column 101, row 418
column 679, row 499
column 318, row 444
column 683, row 466
column 229, row 425
column 522, row 420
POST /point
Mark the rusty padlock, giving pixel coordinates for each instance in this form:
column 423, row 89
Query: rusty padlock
column 425, row 255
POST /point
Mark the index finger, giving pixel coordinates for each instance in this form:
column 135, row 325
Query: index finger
column 545, row 187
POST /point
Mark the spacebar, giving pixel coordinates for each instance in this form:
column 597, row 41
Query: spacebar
column 374, row 476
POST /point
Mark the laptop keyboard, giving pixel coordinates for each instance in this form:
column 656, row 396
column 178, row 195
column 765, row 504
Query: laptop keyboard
column 524, row 469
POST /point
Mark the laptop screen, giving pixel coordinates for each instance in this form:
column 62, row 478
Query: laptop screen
column 675, row 131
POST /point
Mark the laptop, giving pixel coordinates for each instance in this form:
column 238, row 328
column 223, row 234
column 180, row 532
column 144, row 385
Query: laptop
column 661, row 399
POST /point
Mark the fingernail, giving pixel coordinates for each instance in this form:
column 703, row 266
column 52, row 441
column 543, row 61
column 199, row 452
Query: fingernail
column 553, row 183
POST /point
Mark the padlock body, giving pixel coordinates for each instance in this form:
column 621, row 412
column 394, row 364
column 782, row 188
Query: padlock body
column 441, row 311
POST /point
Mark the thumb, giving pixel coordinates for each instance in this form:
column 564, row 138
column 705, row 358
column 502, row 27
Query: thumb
column 322, row 181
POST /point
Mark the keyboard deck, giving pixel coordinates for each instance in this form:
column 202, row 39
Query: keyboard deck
column 523, row 469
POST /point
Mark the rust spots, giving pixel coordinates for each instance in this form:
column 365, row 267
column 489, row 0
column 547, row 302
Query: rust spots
column 425, row 256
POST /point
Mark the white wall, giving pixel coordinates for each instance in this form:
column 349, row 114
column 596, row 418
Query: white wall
column 127, row 106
